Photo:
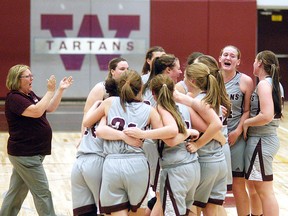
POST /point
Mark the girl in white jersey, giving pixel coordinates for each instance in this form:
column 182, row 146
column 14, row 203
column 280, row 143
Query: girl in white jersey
column 162, row 64
column 149, row 146
column 239, row 87
column 125, row 178
column 116, row 67
column 184, row 86
column 180, row 169
column 174, row 158
column 226, row 103
column 212, row 188
column 86, row 172
column 262, row 142
column 151, row 53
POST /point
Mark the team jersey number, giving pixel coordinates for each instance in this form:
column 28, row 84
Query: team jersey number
column 118, row 123
column 92, row 130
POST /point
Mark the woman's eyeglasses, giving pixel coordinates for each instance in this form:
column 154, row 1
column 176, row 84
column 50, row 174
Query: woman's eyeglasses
column 27, row 76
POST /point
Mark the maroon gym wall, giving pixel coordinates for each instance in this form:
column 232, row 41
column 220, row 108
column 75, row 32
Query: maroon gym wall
column 235, row 23
column 180, row 27
column 14, row 37
column 183, row 27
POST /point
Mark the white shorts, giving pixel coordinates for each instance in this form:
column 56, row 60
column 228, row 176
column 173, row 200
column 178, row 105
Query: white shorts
column 125, row 182
column 259, row 155
column 86, row 178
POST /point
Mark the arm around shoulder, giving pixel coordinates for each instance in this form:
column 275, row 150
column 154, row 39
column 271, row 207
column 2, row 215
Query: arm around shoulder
column 95, row 113
column 97, row 93
column 158, row 131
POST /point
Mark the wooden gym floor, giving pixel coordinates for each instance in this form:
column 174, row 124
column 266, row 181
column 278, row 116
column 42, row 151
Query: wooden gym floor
column 58, row 168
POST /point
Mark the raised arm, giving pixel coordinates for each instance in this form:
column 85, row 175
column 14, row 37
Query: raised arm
column 199, row 124
column 95, row 113
column 214, row 124
column 37, row 110
column 183, row 98
column 97, row 93
column 64, row 84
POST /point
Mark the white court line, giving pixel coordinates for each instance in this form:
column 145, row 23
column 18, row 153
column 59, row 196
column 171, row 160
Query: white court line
column 65, row 113
column 58, row 112
column 284, row 129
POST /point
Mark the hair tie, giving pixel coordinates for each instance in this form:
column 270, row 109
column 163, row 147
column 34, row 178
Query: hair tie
column 164, row 85
column 208, row 75
column 127, row 82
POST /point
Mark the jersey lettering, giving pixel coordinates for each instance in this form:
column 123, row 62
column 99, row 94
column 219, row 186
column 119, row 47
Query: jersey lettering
column 234, row 96
column 252, row 97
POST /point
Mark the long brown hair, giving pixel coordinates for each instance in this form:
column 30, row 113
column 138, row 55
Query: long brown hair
column 272, row 68
column 159, row 65
column 162, row 86
column 149, row 54
column 215, row 71
column 112, row 65
column 129, row 85
column 205, row 81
